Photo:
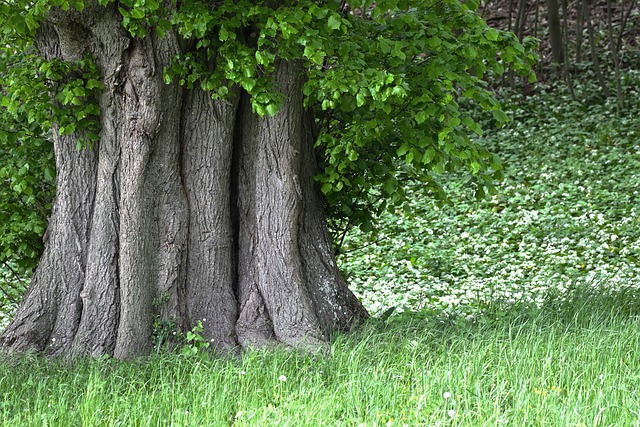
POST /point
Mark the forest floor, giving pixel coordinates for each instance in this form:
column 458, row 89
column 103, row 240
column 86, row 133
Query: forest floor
column 522, row 309
column 567, row 215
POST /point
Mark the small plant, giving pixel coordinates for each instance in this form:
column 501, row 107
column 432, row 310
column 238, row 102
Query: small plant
column 165, row 334
column 195, row 342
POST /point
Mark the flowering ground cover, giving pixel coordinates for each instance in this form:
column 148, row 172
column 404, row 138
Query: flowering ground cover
column 566, row 215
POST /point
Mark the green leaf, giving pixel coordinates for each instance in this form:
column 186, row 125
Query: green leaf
column 492, row 34
column 403, row 149
column 94, row 84
column 272, row 109
column 390, row 186
column 137, row 13
column 48, row 175
column 475, row 167
column 334, row 22
column 223, row 35
column 421, row 116
column 471, row 124
column 500, row 116
column 409, row 157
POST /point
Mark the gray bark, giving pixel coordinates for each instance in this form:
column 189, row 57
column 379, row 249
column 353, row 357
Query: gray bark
column 208, row 132
column 187, row 210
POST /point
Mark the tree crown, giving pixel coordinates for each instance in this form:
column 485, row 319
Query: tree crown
column 385, row 81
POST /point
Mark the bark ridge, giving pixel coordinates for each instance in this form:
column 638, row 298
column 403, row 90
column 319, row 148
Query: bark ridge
column 187, row 210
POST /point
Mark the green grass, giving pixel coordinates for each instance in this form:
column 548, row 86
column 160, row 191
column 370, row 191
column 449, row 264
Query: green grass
column 553, row 366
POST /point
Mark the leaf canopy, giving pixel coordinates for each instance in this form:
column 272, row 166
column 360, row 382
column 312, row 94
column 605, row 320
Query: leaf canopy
column 385, row 80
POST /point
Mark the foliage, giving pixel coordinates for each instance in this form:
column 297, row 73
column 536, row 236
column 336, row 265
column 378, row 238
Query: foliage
column 168, row 336
column 37, row 97
column 393, row 92
column 195, row 342
column 27, row 173
column 384, row 80
column 572, row 368
column 566, row 215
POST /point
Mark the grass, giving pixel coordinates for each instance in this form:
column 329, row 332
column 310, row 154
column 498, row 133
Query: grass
column 533, row 366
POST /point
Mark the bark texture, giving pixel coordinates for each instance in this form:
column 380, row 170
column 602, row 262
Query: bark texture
column 187, row 210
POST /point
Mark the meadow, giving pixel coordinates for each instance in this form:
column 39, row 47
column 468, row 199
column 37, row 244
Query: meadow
column 521, row 309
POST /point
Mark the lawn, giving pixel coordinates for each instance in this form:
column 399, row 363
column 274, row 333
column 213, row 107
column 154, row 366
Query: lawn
column 535, row 367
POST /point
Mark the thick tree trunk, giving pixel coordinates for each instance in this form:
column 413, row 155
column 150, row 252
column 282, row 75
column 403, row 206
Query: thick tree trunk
column 187, row 210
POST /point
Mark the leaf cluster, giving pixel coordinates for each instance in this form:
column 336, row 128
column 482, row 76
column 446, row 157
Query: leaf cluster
column 386, row 81
column 393, row 95
column 37, row 98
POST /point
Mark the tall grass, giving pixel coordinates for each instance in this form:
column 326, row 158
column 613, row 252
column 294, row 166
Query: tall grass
column 570, row 363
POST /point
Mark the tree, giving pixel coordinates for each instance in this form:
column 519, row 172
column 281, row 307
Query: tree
column 225, row 129
column 555, row 31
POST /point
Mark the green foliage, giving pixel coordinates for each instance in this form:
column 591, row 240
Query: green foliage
column 195, row 342
column 390, row 92
column 167, row 337
column 165, row 334
column 37, row 97
column 27, row 170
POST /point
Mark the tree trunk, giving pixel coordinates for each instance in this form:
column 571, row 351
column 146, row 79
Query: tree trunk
column 586, row 10
column 579, row 31
column 565, row 51
column 613, row 46
column 187, row 210
column 555, row 31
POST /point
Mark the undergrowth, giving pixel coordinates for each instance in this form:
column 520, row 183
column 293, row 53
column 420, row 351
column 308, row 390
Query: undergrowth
column 567, row 214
